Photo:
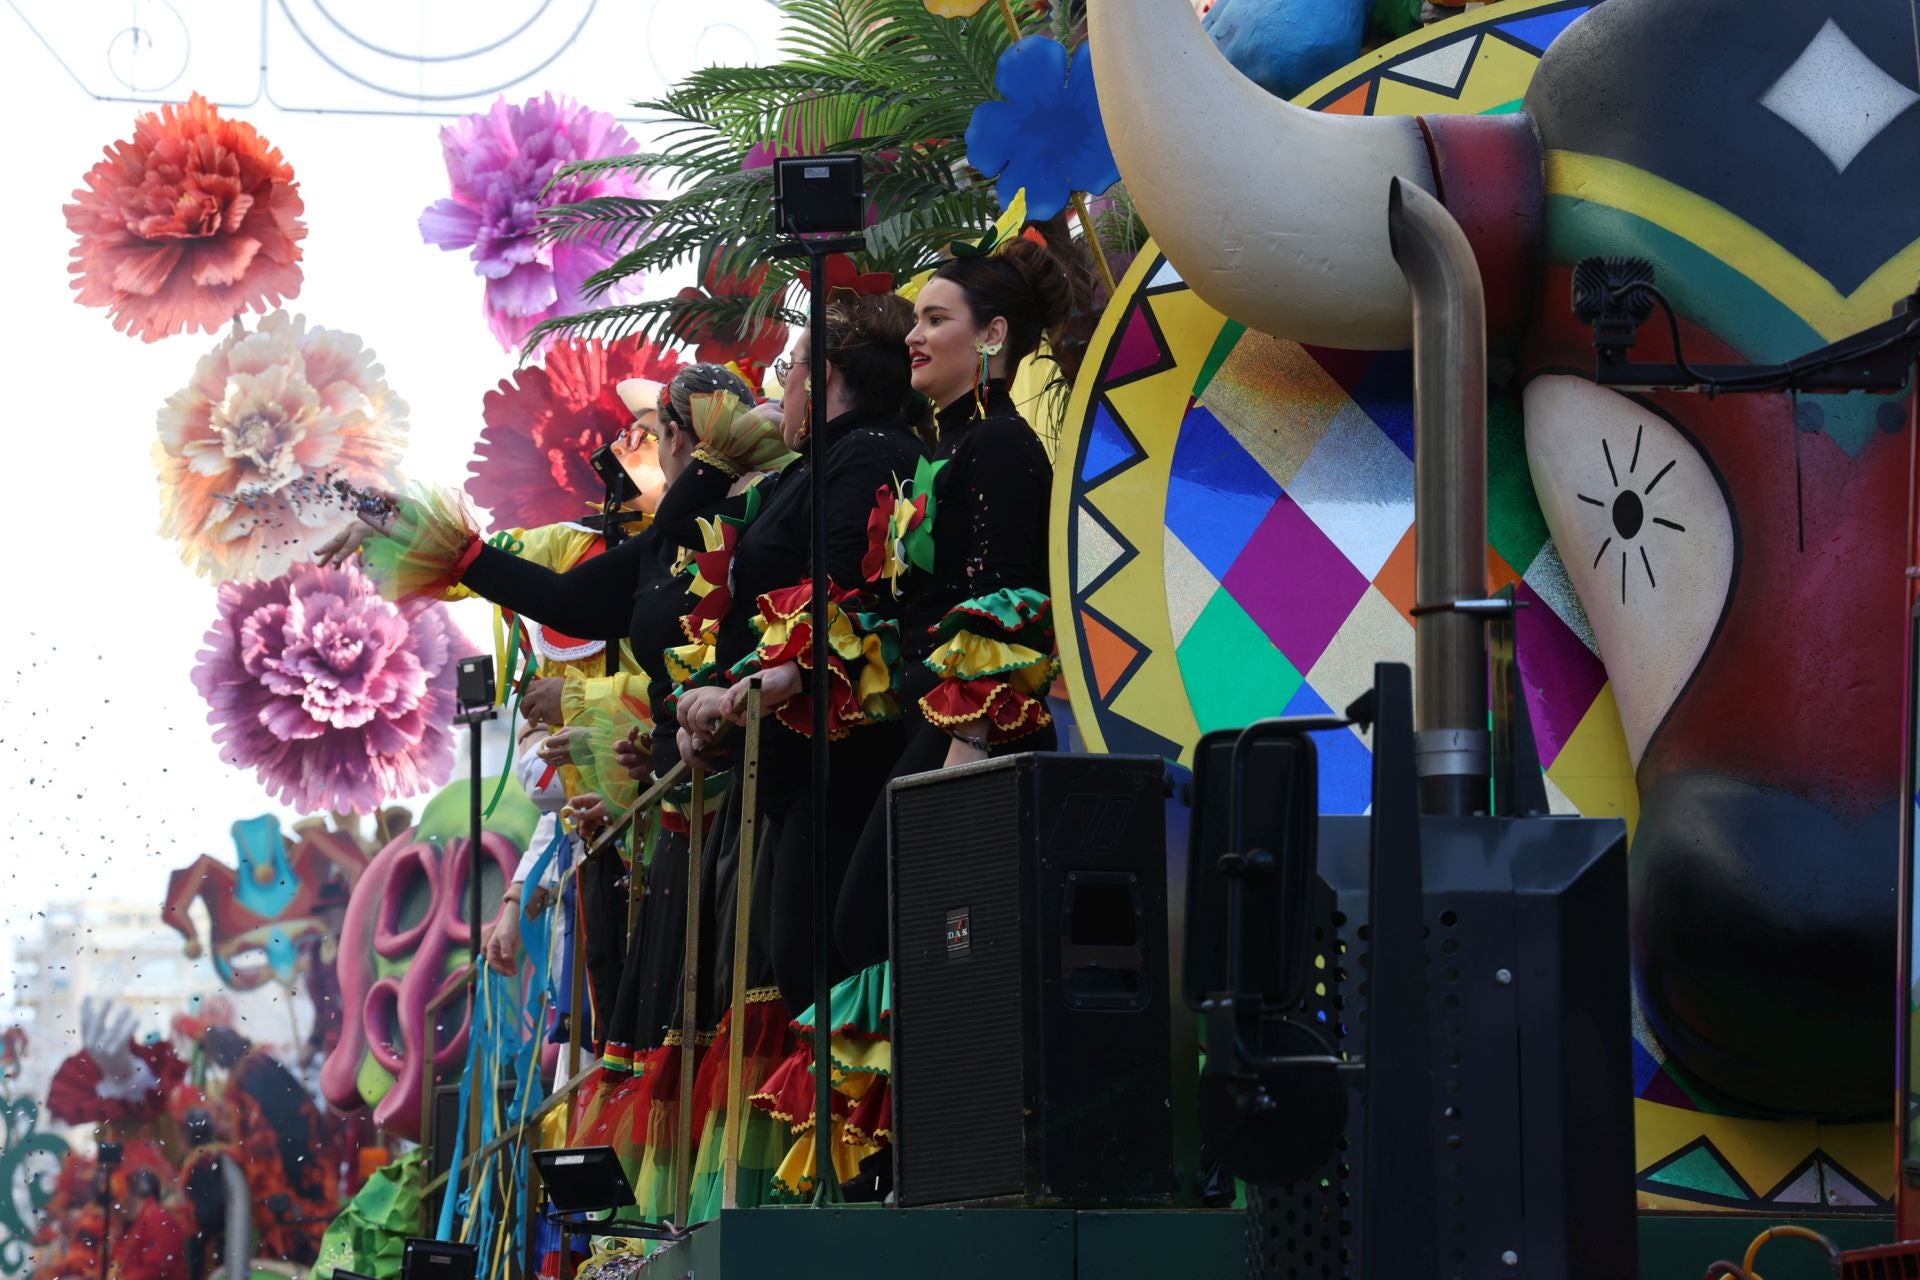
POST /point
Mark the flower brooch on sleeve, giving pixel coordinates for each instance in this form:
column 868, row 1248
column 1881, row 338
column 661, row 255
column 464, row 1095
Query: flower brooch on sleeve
column 900, row 527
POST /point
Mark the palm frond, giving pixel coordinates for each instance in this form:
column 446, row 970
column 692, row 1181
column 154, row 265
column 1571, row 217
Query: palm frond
column 885, row 79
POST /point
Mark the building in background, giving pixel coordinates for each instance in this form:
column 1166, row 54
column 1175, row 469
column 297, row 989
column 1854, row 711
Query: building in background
column 120, row 950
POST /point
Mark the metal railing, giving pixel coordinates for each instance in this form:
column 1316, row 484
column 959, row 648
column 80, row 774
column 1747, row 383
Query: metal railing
column 464, row 981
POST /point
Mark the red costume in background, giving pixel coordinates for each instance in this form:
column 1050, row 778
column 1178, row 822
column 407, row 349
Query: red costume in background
column 153, row 1248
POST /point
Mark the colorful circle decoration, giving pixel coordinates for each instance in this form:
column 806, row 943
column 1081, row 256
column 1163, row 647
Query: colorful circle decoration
column 1233, row 539
column 1237, row 528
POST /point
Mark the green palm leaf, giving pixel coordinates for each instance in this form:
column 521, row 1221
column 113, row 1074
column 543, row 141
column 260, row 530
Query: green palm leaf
column 902, row 79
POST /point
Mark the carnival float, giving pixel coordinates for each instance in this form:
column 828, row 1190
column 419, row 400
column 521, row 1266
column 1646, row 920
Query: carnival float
column 1591, row 296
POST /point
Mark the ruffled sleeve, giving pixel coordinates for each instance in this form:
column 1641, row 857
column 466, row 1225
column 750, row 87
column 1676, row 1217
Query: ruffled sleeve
column 608, row 708
column 427, row 549
column 995, row 658
column 864, row 654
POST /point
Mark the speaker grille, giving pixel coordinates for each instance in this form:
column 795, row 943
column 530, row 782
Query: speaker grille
column 958, row 1105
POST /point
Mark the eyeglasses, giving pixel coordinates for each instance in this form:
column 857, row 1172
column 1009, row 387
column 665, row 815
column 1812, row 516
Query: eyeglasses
column 781, row 368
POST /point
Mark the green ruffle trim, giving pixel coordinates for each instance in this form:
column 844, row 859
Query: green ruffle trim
column 862, row 1006
column 1020, row 615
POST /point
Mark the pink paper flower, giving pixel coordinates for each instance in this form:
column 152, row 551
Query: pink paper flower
column 500, row 162
column 191, row 222
column 544, row 424
column 337, row 699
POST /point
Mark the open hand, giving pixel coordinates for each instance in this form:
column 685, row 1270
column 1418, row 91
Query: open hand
column 343, row 546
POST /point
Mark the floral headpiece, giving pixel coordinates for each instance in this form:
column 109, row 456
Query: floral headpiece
column 1006, row 228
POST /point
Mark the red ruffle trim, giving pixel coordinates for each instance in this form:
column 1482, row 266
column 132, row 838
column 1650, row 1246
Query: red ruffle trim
column 1007, row 713
column 871, row 1124
column 788, row 1094
column 793, row 606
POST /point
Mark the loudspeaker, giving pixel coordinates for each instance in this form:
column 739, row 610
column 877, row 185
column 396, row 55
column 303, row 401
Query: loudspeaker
column 1030, row 1007
column 1530, row 1031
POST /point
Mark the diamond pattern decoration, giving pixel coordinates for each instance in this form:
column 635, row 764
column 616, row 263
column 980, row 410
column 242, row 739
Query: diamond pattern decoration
column 1357, row 487
column 1217, row 495
column 1294, row 582
column 1837, row 97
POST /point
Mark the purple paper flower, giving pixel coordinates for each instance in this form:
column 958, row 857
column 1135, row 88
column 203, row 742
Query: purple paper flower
column 1047, row 136
column 336, row 698
column 500, row 162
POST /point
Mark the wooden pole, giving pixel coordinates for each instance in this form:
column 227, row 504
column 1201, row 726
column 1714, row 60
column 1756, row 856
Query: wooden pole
column 1098, row 250
column 689, row 1006
column 742, row 924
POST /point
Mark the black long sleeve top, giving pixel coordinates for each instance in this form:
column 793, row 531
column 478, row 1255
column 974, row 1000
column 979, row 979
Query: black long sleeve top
column 991, row 506
column 631, row 592
column 861, row 452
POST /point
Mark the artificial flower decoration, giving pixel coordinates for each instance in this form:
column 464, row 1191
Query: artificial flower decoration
column 251, row 450
column 713, row 576
column 543, row 424
column 1047, row 136
column 730, row 274
column 844, row 275
column 1007, row 226
column 501, row 162
column 900, row 528
column 189, row 223
column 337, row 699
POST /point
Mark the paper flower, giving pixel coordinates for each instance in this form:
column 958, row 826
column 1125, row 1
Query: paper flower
column 192, row 221
column 844, row 274
column 729, row 275
column 900, row 527
column 336, row 699
column 1047, row 136
column 543, row 424
column 249, row 450
column 500, row 162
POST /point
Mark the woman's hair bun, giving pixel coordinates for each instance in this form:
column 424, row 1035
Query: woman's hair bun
column 1046, row 278
column 867, row 340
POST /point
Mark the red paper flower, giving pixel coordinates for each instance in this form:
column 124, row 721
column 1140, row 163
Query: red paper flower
column 842, row 273
column 730, row 275
column 191, row 222
column 714, row 580
column 544, row 424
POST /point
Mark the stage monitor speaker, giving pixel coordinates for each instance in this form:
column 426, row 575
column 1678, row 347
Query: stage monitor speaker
column 1030, row 1006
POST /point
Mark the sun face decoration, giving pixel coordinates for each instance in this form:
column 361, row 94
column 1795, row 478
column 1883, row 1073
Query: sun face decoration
column 1629, row 511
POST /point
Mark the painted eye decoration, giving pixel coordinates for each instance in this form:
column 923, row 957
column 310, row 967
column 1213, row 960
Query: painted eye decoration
column 1630, row 513
column 1642, row 525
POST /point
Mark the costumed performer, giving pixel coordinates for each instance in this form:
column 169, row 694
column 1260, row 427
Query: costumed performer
column 867, row 441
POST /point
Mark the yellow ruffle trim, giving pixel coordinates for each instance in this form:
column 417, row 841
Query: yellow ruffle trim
column 967, row 656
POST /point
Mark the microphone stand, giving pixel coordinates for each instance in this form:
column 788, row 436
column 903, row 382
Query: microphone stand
column 816, row 250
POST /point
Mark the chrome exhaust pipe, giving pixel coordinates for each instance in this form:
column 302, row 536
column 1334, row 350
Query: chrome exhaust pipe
column 1452, row 745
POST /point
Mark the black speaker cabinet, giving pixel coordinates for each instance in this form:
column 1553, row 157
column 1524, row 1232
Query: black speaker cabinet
column 1030, row 1008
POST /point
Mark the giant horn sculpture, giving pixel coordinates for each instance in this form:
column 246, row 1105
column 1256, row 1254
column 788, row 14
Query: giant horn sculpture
column 1270, row 212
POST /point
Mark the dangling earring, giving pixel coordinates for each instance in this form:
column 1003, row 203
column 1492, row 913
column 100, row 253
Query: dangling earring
column 987, row 350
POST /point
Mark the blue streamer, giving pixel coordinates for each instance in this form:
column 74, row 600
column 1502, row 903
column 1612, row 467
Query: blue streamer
column 504, row 1027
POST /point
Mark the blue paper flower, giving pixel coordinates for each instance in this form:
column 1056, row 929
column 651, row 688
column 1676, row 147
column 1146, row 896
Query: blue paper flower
column 1047, row 136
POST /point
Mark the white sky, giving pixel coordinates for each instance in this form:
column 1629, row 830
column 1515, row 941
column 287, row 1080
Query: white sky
column 108, row 773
